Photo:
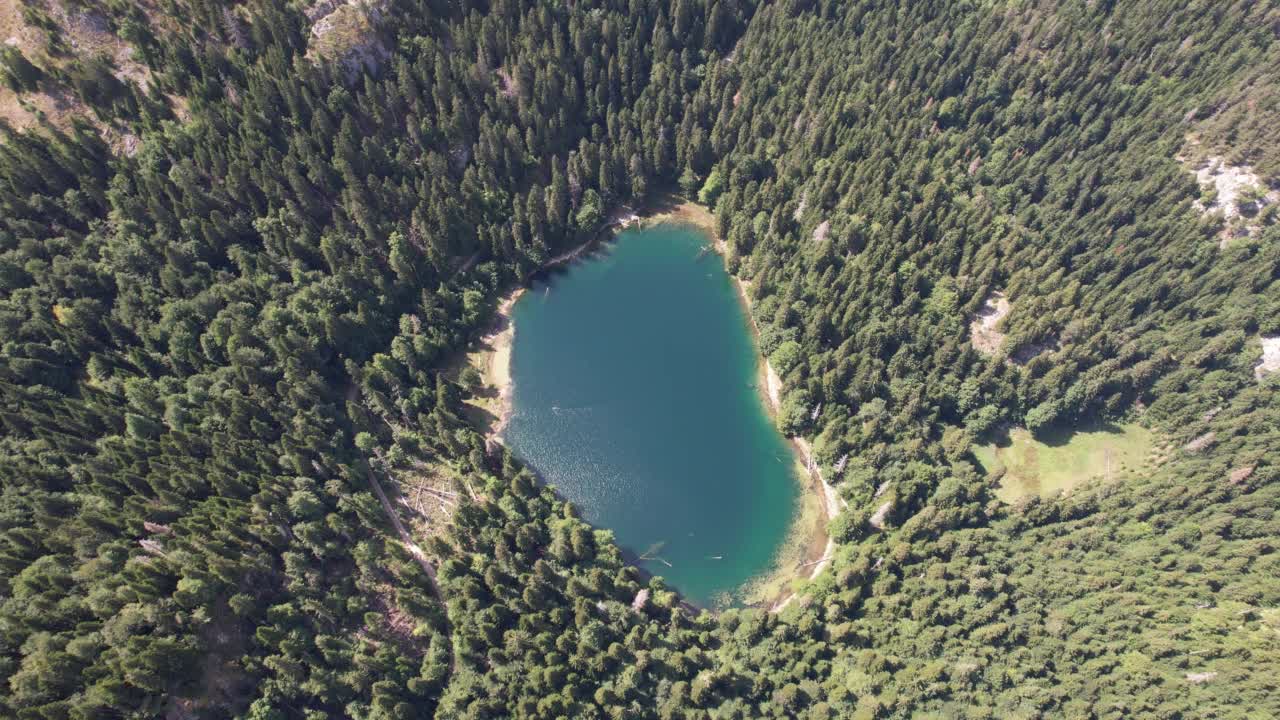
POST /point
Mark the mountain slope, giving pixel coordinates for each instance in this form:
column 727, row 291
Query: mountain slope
column 219, row 346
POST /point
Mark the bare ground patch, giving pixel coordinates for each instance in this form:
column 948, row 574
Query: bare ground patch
column 490, row 407
column 223, row 680
column 878, row 518
column 507, row 85
column 349, row 33
column 1235, row 191
column 983, row 334
column 82, row 33
column 429, row 496
column 1270, row 361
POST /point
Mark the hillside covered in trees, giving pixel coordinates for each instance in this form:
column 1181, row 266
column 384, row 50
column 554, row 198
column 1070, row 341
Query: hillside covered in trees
column 237, row 262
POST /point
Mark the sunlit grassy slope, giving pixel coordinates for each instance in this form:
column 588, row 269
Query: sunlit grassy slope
column 1063, row 459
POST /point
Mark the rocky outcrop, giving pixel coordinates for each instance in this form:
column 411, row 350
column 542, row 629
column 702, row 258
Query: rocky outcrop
column 349, row 33
column 1238, row 194
column 1201, row 443
column 1270, row 361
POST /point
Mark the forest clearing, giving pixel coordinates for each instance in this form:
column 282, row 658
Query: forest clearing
column 1062, row 460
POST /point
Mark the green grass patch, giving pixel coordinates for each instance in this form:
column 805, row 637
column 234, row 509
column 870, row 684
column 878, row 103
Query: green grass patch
column 1061, row 460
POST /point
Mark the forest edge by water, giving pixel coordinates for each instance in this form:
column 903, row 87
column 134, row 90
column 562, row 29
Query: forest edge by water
column 808, row 548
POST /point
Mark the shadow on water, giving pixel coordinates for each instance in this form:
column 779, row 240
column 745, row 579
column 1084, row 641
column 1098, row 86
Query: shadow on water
column 660, row 203
column 633, row 560
column 544, row 275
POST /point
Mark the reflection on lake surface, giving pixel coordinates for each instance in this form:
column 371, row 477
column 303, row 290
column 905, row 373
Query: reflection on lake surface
column 634, row 394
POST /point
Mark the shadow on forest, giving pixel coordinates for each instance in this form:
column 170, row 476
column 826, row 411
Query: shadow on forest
column 479, row 417
column 661, row 202
column 1057, row 435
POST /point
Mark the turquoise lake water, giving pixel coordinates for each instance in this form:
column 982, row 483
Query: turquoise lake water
column 634, row 394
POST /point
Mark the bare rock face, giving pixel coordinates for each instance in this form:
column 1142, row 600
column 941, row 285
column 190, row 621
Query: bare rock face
column 1201, row 443
column 348, row 32
column 321, row 9
column 129, row 144
column 820, row 232
column 988, row 340
column 82, row 25
column 87, row 32
column 1236, row 186
column 1270, row 361
column 1240, row 195
column 882, row 512
column 507, row 84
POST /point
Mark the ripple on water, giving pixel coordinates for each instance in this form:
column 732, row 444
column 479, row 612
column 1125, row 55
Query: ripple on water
column 634, row 395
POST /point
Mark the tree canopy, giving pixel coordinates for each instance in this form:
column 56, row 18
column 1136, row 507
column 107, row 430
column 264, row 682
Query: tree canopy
column 225, row 346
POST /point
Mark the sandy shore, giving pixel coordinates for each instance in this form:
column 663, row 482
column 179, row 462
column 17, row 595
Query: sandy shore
column 493, row 358
column 818, row 547
column 809, row 546
column 495, row 362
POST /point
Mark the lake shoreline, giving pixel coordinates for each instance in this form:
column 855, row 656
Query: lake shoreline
column 493, row 358
column 808, row 545
column 815, row 544
column 496, row 369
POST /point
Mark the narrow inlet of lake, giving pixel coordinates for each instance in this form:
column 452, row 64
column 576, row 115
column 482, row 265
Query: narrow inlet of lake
column 634, row 393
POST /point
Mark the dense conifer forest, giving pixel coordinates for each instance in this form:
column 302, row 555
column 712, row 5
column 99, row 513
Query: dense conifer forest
column 234, row 279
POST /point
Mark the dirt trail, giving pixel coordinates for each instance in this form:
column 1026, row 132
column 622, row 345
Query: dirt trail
column 433, row 583
column 405, row 538
column 421, row 557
